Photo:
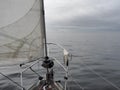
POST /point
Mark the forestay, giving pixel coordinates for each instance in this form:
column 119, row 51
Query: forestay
column 21, row 35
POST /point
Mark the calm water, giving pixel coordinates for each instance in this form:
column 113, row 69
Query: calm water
column 93, row 53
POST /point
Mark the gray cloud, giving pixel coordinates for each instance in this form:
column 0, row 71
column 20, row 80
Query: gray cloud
column 83, row 14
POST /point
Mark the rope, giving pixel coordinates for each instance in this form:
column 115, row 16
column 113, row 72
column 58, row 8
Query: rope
column 12, row 81
column 40, row 77
column 69, row 74
column 97, row 74
column 76, row 82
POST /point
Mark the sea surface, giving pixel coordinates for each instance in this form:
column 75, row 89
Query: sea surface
column 95, row 63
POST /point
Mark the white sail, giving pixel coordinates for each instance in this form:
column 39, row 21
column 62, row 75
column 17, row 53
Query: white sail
column 21, row 33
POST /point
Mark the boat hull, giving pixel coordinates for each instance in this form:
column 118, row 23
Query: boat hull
column 43, row 86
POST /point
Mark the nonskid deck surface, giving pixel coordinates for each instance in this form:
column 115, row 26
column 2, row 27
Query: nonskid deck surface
column 43, row 86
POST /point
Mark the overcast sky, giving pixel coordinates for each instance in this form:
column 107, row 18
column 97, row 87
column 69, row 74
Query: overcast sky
column 68, row 14
column 83, row 14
